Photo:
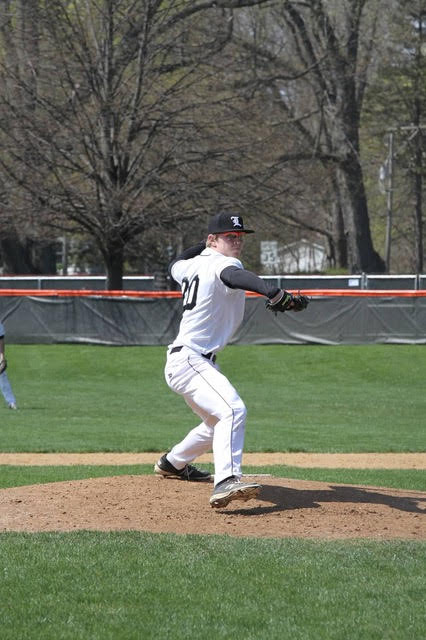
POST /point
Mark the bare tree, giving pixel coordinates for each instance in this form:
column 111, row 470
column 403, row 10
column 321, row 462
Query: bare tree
column 312, row 59
column 23, row 248
column 100, row 113
column 396, row 109
column 415, row 102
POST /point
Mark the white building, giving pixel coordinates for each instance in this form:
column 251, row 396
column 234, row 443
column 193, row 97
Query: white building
column 301, row 256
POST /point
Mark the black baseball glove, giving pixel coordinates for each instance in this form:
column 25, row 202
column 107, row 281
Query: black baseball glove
column 300, row 302
column 288, row 302
column 3, row 365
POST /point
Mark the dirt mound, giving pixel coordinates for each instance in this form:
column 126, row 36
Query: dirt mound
column 285, row 508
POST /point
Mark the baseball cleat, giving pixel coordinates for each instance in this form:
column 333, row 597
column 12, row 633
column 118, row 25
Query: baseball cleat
column 233, row 489
column 164, row 468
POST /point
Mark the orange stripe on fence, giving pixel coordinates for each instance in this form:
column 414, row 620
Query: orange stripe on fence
column 315, row 293
column 366, row 293
column 72, row 293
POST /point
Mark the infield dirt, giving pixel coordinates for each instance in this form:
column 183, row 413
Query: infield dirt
column 285, row 507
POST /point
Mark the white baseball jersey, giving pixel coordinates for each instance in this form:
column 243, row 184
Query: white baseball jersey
column 212, row 312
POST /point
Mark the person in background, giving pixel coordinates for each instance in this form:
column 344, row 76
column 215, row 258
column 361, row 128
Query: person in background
column 5, row 386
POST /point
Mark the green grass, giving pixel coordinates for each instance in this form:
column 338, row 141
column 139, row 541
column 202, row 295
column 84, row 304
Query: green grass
column 299, row 398
column 14, row 476
column 138, row 586
column 129, row 585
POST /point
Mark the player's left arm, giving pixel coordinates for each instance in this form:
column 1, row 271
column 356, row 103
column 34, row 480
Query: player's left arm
column 236, row 278
column 278, row 299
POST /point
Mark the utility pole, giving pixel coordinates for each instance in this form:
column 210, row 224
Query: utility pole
column 386, row 180
column 64, row 255
column 417, row 174
column 389, row 205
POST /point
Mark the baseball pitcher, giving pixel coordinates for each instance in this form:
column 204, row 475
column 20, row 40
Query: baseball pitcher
column 213, row 283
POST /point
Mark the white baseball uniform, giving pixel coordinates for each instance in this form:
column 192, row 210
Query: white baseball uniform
column 211, row 314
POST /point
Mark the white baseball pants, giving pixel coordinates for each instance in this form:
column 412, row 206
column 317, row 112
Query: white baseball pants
column 211, row 396
column 6, row 389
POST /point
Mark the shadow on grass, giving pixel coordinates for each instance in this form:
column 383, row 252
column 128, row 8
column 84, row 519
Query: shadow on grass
column 286, row 499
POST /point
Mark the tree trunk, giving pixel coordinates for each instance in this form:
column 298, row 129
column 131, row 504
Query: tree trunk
column 22, row 258
column 15, row 256
column 114, row 264
column 362, row 256
column 46, row 260
column 338, row 226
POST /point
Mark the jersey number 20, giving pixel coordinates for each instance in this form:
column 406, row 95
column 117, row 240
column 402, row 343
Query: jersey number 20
column 189, row 292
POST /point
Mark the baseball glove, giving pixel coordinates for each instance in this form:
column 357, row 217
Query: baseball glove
column 288, row 302
column 300, row 302
column 3, row 365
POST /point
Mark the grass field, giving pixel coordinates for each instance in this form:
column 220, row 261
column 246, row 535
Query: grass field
column 133, row 585
column 299, row 398
column 415, row 479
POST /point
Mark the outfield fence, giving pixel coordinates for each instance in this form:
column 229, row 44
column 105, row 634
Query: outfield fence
column 131, row 317
column 360, row 281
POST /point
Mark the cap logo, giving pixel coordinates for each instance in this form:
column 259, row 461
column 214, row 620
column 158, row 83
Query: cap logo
column 236, row 221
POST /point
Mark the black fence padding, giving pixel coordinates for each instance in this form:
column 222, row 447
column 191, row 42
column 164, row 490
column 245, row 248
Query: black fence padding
column 155, row 321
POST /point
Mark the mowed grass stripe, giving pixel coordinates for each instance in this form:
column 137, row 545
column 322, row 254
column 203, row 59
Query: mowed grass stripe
column 14, row 476
column 300, row 398
column 134, row 585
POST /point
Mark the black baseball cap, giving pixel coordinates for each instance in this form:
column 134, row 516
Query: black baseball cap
column 225, row 222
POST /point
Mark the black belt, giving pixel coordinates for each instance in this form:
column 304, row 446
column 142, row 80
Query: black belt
column 209, row 356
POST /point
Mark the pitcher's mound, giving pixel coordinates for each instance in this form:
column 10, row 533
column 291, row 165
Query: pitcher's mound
column 285, row 508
